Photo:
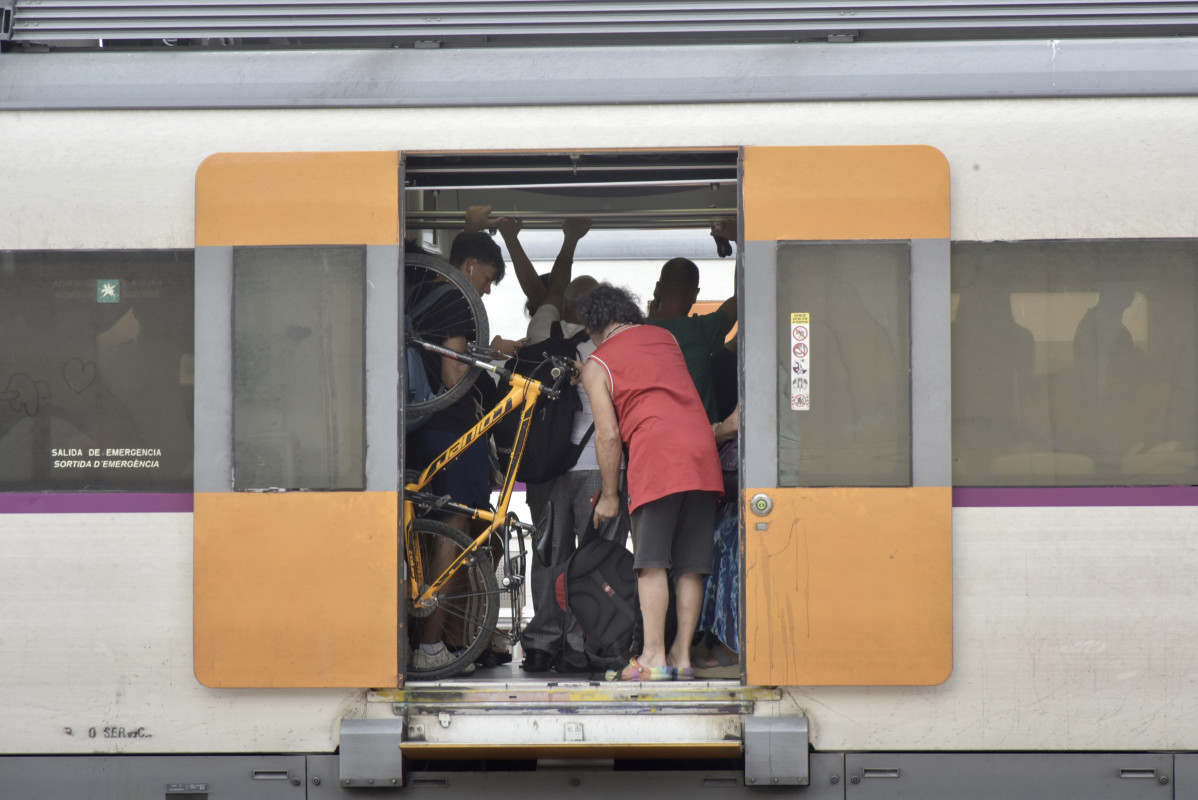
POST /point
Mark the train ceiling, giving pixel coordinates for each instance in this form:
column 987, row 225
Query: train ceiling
column 657, row 190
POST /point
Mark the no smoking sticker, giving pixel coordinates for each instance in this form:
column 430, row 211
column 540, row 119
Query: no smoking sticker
column 800, row 361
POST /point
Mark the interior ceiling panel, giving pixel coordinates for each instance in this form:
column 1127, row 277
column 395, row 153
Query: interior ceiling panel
column 657, row 190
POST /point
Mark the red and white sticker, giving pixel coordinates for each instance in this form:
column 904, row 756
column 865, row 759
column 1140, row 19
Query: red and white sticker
column 800, row 361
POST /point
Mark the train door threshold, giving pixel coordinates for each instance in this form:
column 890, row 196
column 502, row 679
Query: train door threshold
column 526, row 719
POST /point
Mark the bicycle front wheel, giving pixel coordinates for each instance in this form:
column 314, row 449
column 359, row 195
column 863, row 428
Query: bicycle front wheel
column 439, row 304
column 465, row 611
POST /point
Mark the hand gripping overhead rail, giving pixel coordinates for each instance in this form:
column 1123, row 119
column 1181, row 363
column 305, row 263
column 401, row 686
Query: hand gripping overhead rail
column 308, row 23
column 650, row 219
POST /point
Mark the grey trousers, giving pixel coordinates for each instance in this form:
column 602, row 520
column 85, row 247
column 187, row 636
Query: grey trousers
column 571, row 496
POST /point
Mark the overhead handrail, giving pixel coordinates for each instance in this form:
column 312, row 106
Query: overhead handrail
column 643, row 218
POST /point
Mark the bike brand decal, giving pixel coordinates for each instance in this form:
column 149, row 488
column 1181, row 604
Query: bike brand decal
column 468, row 438
column 800, row 361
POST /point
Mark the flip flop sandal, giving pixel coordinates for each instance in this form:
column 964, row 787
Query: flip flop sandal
column 631, row 672
column 635, row 672
column 683, row 673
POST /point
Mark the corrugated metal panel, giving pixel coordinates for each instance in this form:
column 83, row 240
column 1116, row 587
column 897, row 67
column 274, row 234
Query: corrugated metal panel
column 499, row 22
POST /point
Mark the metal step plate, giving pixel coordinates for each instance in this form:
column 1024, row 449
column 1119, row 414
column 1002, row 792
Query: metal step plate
column 585, row 719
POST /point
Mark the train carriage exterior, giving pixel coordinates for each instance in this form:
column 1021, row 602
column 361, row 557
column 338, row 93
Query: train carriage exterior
column 966, row 552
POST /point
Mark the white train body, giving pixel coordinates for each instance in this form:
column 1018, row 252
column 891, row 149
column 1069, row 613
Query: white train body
column 1073, row 626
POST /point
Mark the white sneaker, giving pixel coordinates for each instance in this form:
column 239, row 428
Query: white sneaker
column 425, row 661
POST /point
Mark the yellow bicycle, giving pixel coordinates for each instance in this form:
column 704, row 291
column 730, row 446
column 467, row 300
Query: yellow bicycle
column 455, row 583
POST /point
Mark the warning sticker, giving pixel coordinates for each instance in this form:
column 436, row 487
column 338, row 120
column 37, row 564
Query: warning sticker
column 800, row 361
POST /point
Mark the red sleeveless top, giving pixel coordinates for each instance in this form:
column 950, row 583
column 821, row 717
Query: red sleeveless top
column 671, row 447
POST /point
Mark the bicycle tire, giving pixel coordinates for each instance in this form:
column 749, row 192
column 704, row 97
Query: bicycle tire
column 460, row 310
column 470, row 600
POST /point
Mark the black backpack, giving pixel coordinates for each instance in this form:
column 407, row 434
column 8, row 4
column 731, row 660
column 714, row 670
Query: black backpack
column 548, row 452
column 597, row 585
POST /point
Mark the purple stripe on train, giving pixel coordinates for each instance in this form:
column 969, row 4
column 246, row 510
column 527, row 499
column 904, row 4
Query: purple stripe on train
column 1010, row 497
column 963, row 497
column 95, row 503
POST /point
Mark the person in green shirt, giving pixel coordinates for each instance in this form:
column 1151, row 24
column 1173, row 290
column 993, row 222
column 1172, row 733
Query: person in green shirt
column 699, row 336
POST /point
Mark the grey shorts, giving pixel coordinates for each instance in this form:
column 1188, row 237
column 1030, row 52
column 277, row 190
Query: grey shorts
column 675, row 532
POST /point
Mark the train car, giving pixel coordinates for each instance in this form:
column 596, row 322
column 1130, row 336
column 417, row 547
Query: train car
column 966, row 279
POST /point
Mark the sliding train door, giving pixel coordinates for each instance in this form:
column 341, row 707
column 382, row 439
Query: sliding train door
column 846, row 474
column 847, row 502
column 296, row 277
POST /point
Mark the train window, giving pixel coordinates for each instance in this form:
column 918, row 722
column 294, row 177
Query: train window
column 299, row 368
column 1074, row 363
column 96, row 370
column 844, row 415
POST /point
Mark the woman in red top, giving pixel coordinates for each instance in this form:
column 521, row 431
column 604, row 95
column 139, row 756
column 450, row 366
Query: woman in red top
column 642, row 396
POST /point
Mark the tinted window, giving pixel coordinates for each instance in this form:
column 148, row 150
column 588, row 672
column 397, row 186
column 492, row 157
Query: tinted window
column 96, row 370
column 1074, row 363
column 844, row 411
column 299, row 368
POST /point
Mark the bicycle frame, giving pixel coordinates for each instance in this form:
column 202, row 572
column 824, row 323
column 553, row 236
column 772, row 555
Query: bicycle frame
column 524, row 393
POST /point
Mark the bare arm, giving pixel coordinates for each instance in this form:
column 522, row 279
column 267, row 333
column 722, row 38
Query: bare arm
column 573, row 229
column 451, row 370
column 729, row 308
column 526, row 273
column 607, row 441
column 559, row 277
column 724, row 233
column 727, row 428
column 506, row 348
column 726, row 229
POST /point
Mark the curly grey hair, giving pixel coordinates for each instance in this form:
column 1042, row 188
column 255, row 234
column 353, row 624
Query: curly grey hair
column 607, row 304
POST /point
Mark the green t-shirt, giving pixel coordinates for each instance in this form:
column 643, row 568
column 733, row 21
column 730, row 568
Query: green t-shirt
column 699, row 337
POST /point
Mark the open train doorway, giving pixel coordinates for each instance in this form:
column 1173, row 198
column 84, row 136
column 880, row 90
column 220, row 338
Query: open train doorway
column 618, row 217
column 289, row 245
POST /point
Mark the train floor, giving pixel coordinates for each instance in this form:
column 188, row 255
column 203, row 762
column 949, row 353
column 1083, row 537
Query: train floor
column 512, row 673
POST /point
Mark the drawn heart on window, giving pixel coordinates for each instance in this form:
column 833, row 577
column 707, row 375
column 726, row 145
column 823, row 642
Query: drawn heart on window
column 78, row 375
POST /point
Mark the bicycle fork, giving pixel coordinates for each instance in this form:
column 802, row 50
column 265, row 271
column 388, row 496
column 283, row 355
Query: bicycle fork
column 512, row 578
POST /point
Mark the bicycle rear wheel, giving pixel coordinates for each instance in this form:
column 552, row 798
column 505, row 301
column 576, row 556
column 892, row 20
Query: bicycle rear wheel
column 467, row 608
column 439, row 304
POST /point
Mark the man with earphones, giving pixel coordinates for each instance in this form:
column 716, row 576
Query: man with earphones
column 467, row 479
